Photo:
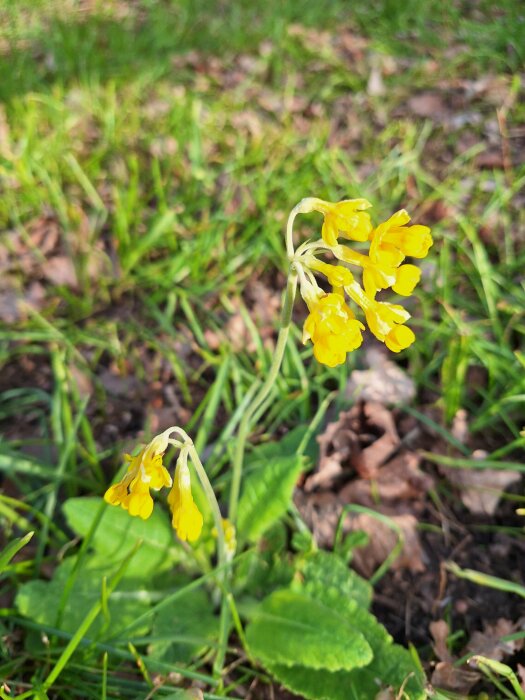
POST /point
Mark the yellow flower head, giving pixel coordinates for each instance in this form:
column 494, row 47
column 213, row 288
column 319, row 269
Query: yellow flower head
column 392, row 240
column 386, row 323
column 346, row 219
column 145, row 472
column 187, row 519
column 333, row 329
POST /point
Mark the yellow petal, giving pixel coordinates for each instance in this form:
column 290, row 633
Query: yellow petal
column 356, row 227
column 347, row 207
column 115, row 494
column 399, row 338
column 407, row 278
column 329, row 231
column 187, row 520
column 338, row 276
column 141, row 504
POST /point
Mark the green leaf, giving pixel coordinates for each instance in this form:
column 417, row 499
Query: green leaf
column 184, row 629
column 40, row 600
column 322, row 685
column 285, row 447
column 328, row 579
column 12, row 548
column 118, row 532
column 289, row 629
column 267, row 494
column 392, row 667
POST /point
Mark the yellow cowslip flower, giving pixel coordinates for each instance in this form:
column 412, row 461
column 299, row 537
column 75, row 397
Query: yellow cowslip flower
column 333, row 329
column 230, row 537
column 145, row 472
column 187, row 519
column 346, row 219
column 402, row 279
column 392, row 241
column 386, row 323
column 337, row 275
column 407, row 277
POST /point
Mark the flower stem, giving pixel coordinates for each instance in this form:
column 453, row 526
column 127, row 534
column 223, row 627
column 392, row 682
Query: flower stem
column 263, row 392
column 245, row 424
column 212, row 500
column 222, row 558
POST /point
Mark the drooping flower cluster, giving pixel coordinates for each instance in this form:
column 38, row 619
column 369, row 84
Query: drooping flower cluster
column 145, row 472
column 331, row 325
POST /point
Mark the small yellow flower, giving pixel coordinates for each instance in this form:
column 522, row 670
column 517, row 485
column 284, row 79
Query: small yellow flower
column 407, row 277
column 346, row 219
column 402, row 279
column 337, row 275
column 230, row 537
column 333, row 329
column 386, row 323
column 187, row 519
column 145, row 472
column 392, row 240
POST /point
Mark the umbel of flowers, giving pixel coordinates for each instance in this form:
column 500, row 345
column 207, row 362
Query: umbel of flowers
column 146, row 472
column 331, row 324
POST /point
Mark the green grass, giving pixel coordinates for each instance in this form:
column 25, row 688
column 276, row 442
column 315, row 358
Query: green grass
column 166, row 178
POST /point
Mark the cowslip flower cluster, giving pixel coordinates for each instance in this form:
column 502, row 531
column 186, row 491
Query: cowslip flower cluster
column 331, row 324
column 146, row 472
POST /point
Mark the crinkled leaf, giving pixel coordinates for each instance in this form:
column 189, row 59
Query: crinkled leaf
column 290, row 628
column 360, row 684
column 391, row 667
column 267, row 568
column 40, row 601
column 267, row 494
column 118, row 532
column 328, row 581
column 184, row 629
column 327, row 578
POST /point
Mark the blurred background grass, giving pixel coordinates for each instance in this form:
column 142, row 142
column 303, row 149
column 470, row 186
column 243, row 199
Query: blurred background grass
column 149, row 154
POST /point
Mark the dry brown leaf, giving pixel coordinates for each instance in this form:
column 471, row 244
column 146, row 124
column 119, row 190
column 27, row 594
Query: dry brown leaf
column 384, row 382
column 60, row 271
column 490, row 159
column 481, row 489
column 449, row 677
column 399, row 480
column 321, row 512
column 521, row 674
column 489, row 643
column 427, row 104
column 361, row 439
column 445, row 674
column 15, row 305
column 439, row 631
column 383, row 539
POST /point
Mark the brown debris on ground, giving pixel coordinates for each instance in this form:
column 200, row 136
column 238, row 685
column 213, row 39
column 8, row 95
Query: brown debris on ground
column 370, row 457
